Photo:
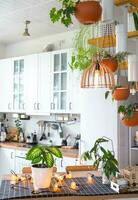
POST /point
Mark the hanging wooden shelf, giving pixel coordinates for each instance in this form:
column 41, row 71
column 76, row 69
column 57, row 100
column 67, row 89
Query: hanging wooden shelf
column 107, row 42
column 124, row 2
column 123, row 65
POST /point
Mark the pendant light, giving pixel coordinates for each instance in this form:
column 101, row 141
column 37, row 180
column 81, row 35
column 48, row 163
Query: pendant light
column 97, row 75
column 26, row 32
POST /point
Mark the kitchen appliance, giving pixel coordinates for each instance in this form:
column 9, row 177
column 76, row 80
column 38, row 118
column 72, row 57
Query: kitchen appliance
column 64, row 141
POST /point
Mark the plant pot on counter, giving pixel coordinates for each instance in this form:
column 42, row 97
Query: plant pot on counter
column 111, row 63
column 132, row 121
column 41, row 176
column 121, row 94
column 88, row 12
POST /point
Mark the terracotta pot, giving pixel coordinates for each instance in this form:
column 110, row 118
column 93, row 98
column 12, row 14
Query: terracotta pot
column 88, row 12
column 131, row 122
column 121, row 94
column 111, row 63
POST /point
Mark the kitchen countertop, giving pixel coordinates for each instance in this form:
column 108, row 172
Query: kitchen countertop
column 73, row 153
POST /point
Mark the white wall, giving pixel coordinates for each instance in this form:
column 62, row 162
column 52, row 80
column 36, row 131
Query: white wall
column 37, row 45
column 98, row 118
column 2, row 51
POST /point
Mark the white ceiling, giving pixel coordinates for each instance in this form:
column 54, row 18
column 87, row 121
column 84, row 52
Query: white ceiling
column 13, row 14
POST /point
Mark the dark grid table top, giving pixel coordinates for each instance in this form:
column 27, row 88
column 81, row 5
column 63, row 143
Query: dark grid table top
column 25, row 189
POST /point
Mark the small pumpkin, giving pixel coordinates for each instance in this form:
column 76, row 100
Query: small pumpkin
column 88, row 12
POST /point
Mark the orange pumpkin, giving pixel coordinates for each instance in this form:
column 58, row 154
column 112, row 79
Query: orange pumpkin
column 132, row 121
column 88, row 12
column 111, row 63
column 121, row 94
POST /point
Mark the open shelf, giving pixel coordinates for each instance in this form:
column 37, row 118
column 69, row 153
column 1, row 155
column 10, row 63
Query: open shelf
column 124, row 2
column 108, row 41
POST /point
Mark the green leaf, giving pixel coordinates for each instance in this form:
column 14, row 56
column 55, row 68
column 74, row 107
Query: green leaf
column 107, row 94
column 33, row 153
column 36, row 160
column 121, row 109
column 55, row 151
column 48, row 159
column 135, row 17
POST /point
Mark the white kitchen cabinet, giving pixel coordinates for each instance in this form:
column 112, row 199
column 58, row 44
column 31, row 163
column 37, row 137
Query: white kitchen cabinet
column 74, row 91
column 65, row 161
column 65, row 84
column 38, row 83
column 18, row 92
column 7, row 157
column 20, row 161
column 6, row 83
column 60, row 80
column 31, row 79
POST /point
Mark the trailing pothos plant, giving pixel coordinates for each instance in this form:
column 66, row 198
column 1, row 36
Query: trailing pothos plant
column 99, row 155
column 83, row 53
column 127, row 111
column 65, row 13
column 43, row 156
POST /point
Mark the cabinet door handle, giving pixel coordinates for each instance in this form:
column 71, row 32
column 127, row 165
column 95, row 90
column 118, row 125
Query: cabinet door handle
column 38, row 106
column 62, row 163
column 70, row 106
column 9, row 106
column 23, row 106
column 35, row 106
column 52, row 106
column 11, row 155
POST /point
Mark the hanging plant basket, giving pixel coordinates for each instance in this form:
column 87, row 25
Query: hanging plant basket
column 132, row 121
column 111, row 63
column 121, row 93
column 88, row 12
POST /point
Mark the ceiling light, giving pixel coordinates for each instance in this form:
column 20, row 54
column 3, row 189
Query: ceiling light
column 26, row 32
column 97, row 75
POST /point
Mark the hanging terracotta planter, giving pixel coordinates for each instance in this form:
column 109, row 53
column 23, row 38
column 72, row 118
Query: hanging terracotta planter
column 121, row 94
column 88, row 12
column 111, row 63
column 132, row 121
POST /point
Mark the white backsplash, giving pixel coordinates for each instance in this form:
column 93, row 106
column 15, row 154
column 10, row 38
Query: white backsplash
column 30, row 126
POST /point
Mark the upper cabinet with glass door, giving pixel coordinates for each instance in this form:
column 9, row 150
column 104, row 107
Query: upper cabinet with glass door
column 60, row 76
column 18, row 84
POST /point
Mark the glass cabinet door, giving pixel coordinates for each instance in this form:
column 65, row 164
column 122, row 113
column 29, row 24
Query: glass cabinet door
column 60, row 81
column 18, row 89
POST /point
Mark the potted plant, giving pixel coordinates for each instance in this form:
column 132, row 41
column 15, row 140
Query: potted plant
column 83, row 53
column 42, row 158
column 135, row 17
column 112, row 61
column 119, row 93
column 20, row 133
column 129, row 114
column 87, row 12
column 99, row 155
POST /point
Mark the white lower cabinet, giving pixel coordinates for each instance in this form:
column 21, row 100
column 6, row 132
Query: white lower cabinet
column 12, row 159
column 61, row 164
column 7, row 158
column 20, row 161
